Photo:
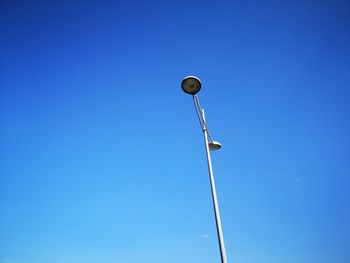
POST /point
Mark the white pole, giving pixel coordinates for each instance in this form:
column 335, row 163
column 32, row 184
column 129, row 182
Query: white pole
column 213, row 192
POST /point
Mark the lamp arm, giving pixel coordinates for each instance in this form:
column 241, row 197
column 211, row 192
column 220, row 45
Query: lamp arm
column 202, row 121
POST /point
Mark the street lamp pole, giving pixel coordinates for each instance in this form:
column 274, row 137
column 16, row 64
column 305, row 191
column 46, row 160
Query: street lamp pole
column 192, row 85
column 213, row 193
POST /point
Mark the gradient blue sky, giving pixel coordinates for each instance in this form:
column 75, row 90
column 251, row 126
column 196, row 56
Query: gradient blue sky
column 102, row 158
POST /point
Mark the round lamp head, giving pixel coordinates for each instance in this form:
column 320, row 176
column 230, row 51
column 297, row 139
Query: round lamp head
column 191, row 85
column 213, row 145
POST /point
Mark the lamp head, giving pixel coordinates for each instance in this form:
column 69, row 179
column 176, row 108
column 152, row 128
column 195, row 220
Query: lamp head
column 191, row 85
column 214, row 145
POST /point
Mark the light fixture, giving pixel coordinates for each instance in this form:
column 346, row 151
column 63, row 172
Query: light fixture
column 214, row 145
column 191, row 85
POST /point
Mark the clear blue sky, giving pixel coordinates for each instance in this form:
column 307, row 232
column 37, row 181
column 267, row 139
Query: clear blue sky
column 102, row 157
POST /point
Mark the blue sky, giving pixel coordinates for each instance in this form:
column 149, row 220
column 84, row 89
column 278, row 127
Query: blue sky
column 102, row 157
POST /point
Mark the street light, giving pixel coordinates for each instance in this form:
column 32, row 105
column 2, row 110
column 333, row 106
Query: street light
column 192, row 85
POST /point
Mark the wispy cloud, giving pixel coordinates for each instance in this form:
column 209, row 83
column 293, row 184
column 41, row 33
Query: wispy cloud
column 300, row 179
column 204, row 236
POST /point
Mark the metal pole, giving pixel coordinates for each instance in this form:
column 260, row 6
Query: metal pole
column 213, row 192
